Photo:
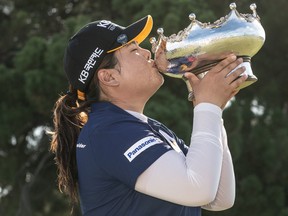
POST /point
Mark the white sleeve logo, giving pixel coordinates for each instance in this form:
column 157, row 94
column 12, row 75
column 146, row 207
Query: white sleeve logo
column 141, row 146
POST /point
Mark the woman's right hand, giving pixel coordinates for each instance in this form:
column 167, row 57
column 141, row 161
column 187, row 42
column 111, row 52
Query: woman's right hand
column 217, row 87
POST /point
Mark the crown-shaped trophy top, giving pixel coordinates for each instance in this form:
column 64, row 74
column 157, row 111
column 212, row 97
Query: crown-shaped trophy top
column 245, row 27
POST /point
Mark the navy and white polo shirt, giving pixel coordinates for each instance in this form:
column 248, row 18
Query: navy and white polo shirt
column 113, row 149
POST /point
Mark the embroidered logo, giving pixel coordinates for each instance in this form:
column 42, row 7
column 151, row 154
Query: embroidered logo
column 90, row 64
column 141, row 146
column 106, row 24
column 80, row 145
column 122, row 39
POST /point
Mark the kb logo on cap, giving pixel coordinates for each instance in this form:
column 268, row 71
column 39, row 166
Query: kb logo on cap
column 122, row 39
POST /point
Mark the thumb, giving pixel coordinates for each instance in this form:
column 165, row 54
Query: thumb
column 193, row 79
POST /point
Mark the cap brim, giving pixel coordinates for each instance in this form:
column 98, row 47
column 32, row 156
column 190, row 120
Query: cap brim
column 137, row 31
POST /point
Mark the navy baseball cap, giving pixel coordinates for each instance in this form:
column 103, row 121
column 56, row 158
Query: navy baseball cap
column 87, row 48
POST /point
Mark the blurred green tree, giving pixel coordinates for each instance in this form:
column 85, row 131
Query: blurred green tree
column 34, row 35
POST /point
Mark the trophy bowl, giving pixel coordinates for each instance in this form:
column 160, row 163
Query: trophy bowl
column 201, row 46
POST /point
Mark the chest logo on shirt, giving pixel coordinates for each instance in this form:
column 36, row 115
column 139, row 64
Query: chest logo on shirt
column 141, row 146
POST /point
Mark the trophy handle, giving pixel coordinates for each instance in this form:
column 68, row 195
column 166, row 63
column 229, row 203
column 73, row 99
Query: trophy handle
column 191, row 96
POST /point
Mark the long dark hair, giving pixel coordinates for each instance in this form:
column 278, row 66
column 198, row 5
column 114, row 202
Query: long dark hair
column 69, row 115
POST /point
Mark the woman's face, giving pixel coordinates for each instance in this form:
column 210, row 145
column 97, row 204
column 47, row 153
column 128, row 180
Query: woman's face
column 139, row 75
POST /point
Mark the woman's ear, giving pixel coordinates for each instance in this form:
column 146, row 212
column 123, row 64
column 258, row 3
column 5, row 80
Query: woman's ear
column 108, row 77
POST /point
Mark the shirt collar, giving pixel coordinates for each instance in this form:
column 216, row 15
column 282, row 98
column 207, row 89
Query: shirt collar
column 138, row 115
column 109, row 106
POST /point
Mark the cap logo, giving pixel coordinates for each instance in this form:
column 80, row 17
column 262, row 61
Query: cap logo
column 90, row 64
column 106, row 24
column 122, row 39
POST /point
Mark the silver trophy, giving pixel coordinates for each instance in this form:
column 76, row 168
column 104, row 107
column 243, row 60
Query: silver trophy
column 201, row 46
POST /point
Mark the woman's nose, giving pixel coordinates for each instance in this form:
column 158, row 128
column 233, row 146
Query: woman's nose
column 146, row 53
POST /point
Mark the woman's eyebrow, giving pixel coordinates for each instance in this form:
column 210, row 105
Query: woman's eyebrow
column 132, row 43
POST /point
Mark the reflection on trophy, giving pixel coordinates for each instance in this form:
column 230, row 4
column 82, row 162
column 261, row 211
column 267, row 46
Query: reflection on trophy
column 201, row 46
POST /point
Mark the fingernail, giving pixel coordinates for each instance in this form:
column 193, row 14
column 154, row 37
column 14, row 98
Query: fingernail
column 233, row 57
column 184, row 76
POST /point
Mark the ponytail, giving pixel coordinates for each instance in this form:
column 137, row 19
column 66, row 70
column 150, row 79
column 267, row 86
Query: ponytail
column 69, row 116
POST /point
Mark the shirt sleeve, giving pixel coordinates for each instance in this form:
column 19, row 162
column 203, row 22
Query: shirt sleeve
column 190, row 180
column 225, row 196
column 127, row 148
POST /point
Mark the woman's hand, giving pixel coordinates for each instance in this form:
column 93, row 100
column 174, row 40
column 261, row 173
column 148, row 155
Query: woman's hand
column 217, row 87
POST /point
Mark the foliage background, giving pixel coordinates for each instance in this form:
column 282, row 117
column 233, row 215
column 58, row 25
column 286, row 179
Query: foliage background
column 33, row 37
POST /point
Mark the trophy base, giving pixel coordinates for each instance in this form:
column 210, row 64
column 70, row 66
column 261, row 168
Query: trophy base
column 251, row 78
column 248, row 71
